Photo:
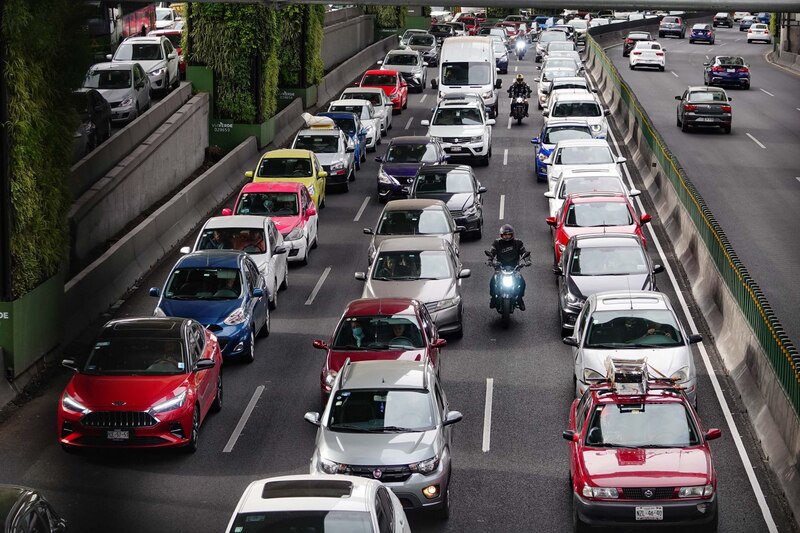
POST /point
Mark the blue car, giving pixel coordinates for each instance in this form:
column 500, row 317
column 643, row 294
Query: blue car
column 702, row 33
column 500, row 57
column 746, row 22
column 763, row 17
column 224, row 291
column 727, row 70
column 553, row 131
column 404, row 157
column 544, row 23
column 356, row 134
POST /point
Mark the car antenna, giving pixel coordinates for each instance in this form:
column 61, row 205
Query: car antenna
column 630, row 294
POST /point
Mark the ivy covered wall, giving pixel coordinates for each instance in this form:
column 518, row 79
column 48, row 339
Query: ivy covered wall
column 294, row 17
column 388, row 16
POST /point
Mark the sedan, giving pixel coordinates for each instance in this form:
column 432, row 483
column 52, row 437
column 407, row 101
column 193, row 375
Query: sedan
column 333, row 151
column 702, row 33
column 758, row 32
column 404, row 157
column 633, row 37
column 147, row 383
column 407, row 36
column 746, row 22
column 297, row 166
column 553, row 131
column 356, row 134
column 704, row 107
column 671, row 26
column 458, row 188
column 727, row 70
column 381, row 104
column 586, row 180
column 392, row 84
column 425, row 44
column 722, row 19
column 580, row 153
column 648, row 54
column 424, row 268
column 500, row 57
column 124, row 85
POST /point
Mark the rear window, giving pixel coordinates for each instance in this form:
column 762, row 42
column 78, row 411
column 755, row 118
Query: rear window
column 671, row 19
column 379, row 79
column 700, row 27
column 738, row 61
column 708, row 96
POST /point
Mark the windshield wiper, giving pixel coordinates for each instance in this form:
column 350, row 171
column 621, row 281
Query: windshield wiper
column 349, row 427
column 609, row 345
column 393, row 429
column 612, row 445
column 664, row 446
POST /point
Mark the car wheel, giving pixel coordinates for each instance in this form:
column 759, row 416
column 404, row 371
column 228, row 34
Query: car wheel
column 630, row 66
column 358, row 162
column 250, row 354
column 405, row 104
column 678, row 120
column 322, row 201
column 578, row 526
column 352, row 173
column 661, row 69
column 285, row 282
column 746, row 87
column 484, row 160
column 684, row 126
column 346, row 184
column 661, row 35
column 194, row 437
column 108, row 130
column 712, row 41
column 304, row 261
column 727, row 129
column 316, row 238
column 691, row 41
column 216, row 406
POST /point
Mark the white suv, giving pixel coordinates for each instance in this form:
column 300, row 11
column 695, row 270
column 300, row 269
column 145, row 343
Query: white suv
column 579, row 104
column 462, row 128
column 157, row 57
column 583, row 153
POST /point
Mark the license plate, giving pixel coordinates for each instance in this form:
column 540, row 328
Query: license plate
column 731, row 70
column 118, row 434
column 651, row 512
column 455, row 148
column 705, row 120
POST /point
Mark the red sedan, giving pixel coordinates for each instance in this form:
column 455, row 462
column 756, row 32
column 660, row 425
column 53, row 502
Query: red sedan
column 148, row 383
column 594, row 213
column 638, row 455
column 392, row 84
column 380, row 328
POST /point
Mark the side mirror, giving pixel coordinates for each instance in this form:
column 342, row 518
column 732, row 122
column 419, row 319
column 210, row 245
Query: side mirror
column 379, row 159
column 557, row 270
column 491, row 122
column 227, row 212
column 551, row 221
column 310, row 211
column 154, row 291
column 538, row 67
column 645, row 218
column 730, row 99
column 280, row 249
column 537, row 80
column 248, row 174
column 172, row 55
column 569, row 435
column 481, row 189
column 464, row 273
column 678, row 98
column 695, row 338
column 545, row 112
column 360, row 276
column 204, row 364
column 452, row 417
column 380, row 62
column 439, row 343
column 185, row 250
column 425, row 122
column 108, row 56
column 312, row 418
column 70, row 363
column 713, row 434
column 257, row 292
column 549, row 194
column 606, row 111
column 658, row 269
column 635, row 192
column 621, row 160
column 368, row 231
column 322, row 174
column 434, row 84
column 535, row 140
column 350, row 149
column 320, row 344
column 570, row 341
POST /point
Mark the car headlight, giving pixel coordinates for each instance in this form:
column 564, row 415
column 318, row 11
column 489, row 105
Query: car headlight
column 71, row 404
column 440, row 139
column 449, row 302
column 487, row 95
column 157, row 71
column 331, row 467
column 126, row 102
column 339, row 165
column 330, row 377
column 385, row 178
column 696, row 492
column 418, row 75
column 591, row 375
column 596, row 127
column 441, row 95
column 295, row 234
column 607, row 493
column 310, row 189
column 425, row 467
column 159, row 313
column 681, row 376
column 235, row 318
column 169, row 405
column 476, row 139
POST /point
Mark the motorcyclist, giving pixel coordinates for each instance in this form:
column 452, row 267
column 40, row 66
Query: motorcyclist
column 520, row 88
column 508, row 251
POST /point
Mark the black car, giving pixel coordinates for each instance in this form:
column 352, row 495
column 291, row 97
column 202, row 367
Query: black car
column 597, row 262
column 442, row 31
column 25, row 510
column 704, row 107
column 425, row 44
column 456, row 186
column 632, row 38
column 672, row 26
column 723, row 19
column 95, row 116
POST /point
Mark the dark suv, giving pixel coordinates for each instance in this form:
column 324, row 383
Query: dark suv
column 722, row 19
column 672, row 26
column 630, row 41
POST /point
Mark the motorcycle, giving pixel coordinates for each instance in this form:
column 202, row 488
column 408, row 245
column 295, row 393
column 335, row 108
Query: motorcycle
column 507, row 286
column 521, row 48
column 518, row 104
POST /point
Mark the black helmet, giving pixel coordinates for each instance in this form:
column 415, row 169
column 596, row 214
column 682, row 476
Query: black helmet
column 506, row 229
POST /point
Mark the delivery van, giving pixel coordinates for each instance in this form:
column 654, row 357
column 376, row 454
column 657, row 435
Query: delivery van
column 467, row 65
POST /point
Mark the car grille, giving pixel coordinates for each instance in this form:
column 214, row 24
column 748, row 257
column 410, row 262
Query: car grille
column 119, row 419
column 115, row 104
column 89, row 440
column 659, row 493
column 388, row 474
column 455, row 140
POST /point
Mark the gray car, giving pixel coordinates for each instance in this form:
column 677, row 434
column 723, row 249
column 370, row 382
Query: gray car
column 424, row 268
column 124, row 85
column 410, row 65
column 333, row 152
column 390, row 421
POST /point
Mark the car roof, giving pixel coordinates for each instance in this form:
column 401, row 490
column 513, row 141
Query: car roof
column 332, row 131
column 597, row 198
column 414, row 203
column 394, row 374
column 599, row 240
column 211, row 258
column 565, row 121
column 352, row 101
column 169, row 327
column 273, row 186
column 582, row 142
column 235, row 221
column 578, row 95
column 621, row 300
column 115, row 65
column 309, row 493
column 380, row 71
column 382, row 306
column 438, row 169
column 155, row 39
column 416, row 243
column 361, row 90
column 288, row 152
column 411, row 139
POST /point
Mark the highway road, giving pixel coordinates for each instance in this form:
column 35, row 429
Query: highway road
column 519, row 483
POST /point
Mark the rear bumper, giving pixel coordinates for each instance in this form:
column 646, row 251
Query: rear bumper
column 722, row 80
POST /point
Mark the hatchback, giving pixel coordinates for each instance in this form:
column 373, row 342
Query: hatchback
column 456, row 186
column 333, row 151
column 727, row 70
column 381, row 105
column 632, row 38
column 671, row 26
column 722, row 19
column 648, row 54
column 392, row 84
column 298, row 166
column 702, row 33
column 125, row 86
column 410, row 65
column 356, row 134
column 580, row 153
column 746, row 22
column 579, row 104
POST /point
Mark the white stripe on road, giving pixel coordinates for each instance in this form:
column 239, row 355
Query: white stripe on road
column 409, row 122
column 237, row 431
column 361, row 210
column 515, row 69
column 723, row 44
column 798, row 178
column 766, row 92
column 509, row 122
column 502, row 205
column 675, row 74
column 318, row 286
column 424, row 96
column 487, row 415
column 505, row 156
column 739, row 39
column 756, row 141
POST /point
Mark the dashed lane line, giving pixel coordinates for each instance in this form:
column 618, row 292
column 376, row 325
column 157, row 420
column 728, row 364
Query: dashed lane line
column 766, row 92
column 502, row 206
column 408, row 124
column 505, row 156
column 756, row 141
column 487, row 416
column 237, row 431
column 318, row 286
column 361, row 210
column 674, row 74
column 424, row 96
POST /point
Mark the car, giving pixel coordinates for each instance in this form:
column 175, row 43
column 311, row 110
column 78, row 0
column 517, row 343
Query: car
column 739, row 15
column 125, row 86
column 763, row 17
column 300, row 166
column 632, row 324
column 175, row 36
column 663, row 469
column 370, row 119
column 758, row 32
column 581, row 153
column 726, row 70
column 702, row 33
column 392, row 420
column 410, row 65
column 544, row 22
column 291, row 209
column 157, row 57
column 546, row 37
column 498, row 33
column 407, row 35
column 381, row 105
column 456, row 186
column 746, row 22
column 558, row 83
column 586, row 180
column 581, row 27
column 553, row 131
column 584, row 213
column 356, row 134
column 442, row 31
column 332, row 149
column 722, row 19
column 558, row 46
column 403, row 218
column 226, row 292
column 500, row 57
column 255, row 235
column 579, row 103
column 425, row 44
column 166, row 17
column 295, row 503
column 459, row 28
column 462, row 128
column 26, row 510
column 648, row 54
column 392, row 84
column 90, row 104
column 512, row 31
column 566, row 28
column 404, row 157
column 632, row 38
column 671, row 27
column 147, row 383
column 597, row 262
column 704, row 107
column 422, row 267
column 557, row 70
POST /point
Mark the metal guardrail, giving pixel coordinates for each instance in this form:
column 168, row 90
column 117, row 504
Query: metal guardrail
column 783, row 356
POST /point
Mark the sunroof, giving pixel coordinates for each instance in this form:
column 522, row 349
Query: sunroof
column 307, row 489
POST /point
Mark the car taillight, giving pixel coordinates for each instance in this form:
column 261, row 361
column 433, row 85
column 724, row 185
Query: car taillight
column 726, row 108
column 744, row 69
column 628, row 41
column 717, row 69
column 690, row 107
column 659, row 54
column 637, row 53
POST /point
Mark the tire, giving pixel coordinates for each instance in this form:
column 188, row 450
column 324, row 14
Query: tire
column 346, row 184
column 405, row 104
column 484, row 160
column 364, row 154
column 322, row 202
column 250, row 355
column 746, row 87
column 519, row 121
column 661, row 69
column 194, row 437
column 478, row 233
column 661, row 35
column 216, row 406
column 304, row 261
column 691, row 41
column 727, row 129
column 677, row 121
column 505, row 312
column 358, row 163
column 443, row 512
column 684, row 126
column 630, row 66
column 712, row 526
column 265, row 328
column 316, row 238
column 108, row 130
column 578, row 526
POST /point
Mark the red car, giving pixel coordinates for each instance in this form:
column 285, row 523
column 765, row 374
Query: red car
column 174, row 37
column 380, row 328
column 471, row 23
column 148, row 383
column 592, row 213
column 638, row 455
column 392, row 84
column 512, row 28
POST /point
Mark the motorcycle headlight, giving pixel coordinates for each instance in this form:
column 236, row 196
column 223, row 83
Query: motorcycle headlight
column 508, row 281
column 295, row 234
column 425, row 467
column 591, row 375
column 126, row 102
column 449, row 302
column 681, row 376
column 159, row 313
column 71, row 404
column 385, row 178
column 487, row 95
column 331, row 467
column 235, row 318
column 169, row 405
column 696, row 492
column 157, row 71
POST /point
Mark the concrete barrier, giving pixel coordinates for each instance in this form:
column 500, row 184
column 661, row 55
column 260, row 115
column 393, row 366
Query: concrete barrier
column 340, row 15
column 346, row 38
column 287, row 123
column 94, row 166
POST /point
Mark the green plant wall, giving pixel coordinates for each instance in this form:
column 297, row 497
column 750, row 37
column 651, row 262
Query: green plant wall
column 293, row 17
column 387, row 17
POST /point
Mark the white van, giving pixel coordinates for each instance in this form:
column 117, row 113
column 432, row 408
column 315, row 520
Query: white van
column 467, row 65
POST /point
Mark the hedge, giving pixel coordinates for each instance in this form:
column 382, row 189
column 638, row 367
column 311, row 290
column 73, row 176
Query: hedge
column 388, row 17
column 312, row 18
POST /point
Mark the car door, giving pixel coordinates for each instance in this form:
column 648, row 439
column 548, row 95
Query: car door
column 476, row 188
column 320, row 183
column 257, row 306
column 278, row 260
column 309, row 214
column 142, row 87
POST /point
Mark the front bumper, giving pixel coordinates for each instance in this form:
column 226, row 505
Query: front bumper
column 466, row 149
column 622, row 513
column 470, row 222
column 123, row 114
column 413, row 83
column 336, row 177
column 448, row 319
column 394, row 191
column 234, row 341
column 158, row 82
column 297, row 249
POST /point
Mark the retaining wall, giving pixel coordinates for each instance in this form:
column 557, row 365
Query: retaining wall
column 346, row 38
column 335, row 81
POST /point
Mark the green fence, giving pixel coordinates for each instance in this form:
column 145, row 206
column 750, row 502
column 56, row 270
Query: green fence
column 782, row 355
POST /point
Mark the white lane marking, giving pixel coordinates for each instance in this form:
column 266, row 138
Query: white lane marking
column 502, row 206
column 766, row 92
column 726, row 411
column 409, row 122
column 361, row 210
column 505, row 156
column 739, row 39
column 237, row 431
column 675, row 74
column 798, row 178
column 756, row 141
column 509, row 122
column 424, row 96
column 487, row 415
column 723, row 44
column 515, row 69
column 798, row 108
column 318, row 286
column 707, row 57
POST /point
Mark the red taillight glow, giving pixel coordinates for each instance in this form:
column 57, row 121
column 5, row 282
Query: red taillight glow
column 628, row 41
column 744, row 69
column 726, row 108
column 717, row 69
column 689, row 107
column 637, row 53
column 660, row 54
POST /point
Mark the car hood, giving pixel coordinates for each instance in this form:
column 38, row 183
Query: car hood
column 455, row 131
column 378, row 239
column 116, row 95
column 287, row 224
column 401, row 169
column 204, row 311
column 336, row 358
column 425, row 290
column 329, row 159
column 139, row 393
column 378, row 448
column 585, row 286
column 388, row 89
column 665, row 361
column 410, row 69
column 455, row 201
column 677, row 467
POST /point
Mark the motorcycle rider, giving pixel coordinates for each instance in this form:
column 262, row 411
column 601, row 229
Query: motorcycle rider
column 508, row 251
column 520, row 88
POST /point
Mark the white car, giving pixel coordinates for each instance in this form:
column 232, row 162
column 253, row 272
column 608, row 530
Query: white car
column 255, row 235
column 366, row 112
column 586, row 180
column 462, row 128
column 579, row 104
column 380, row 103
column 759, row 32
column 647, row 54
column 739, row 15
column 157, row 57
column 583, row 153
column 333, row 502
column 166, row 18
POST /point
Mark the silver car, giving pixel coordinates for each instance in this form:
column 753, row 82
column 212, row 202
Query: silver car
column 407, row 36
column 333, row 152
column 410, row 65
column 389, row 420
column 424, row 268
column 380, row 103
column 124, row 85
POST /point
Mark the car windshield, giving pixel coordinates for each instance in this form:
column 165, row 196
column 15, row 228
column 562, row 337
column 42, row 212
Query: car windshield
column 163, row 13
column 347, row 125
column 440, row 28
column 560, row 46
column 499, row 47
column 422, row 40
column 559, row 63
column 357, row 109
column 416, row 222
column 647, row 46
column 464, row 73
column 557, row 72
column 135, row 356
column 584, row 155
column 708, row 96
column 305, row 521
column 736, row 61
column 554, row 134
column 700, row 27
column 284, row 167
column 593, row 184
column 138, row 52
column 108, row 79
column 453, row 116
column 379, row 79
column 642, row 425
column 576, row 109
column 443, row 182
column 250, row 240
column 378, row 332
column 633, row 328
column 409, row 33
column 406, row 266
column 578, row 24
column 381, row 411
column 319, row 144
column 598, row 214
column 375, row 97
column 268, row 204
column 203, row 284
column 670, row 20
column 401, row 59
column 411, row 153
column 548, row 36
column 607, row 260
